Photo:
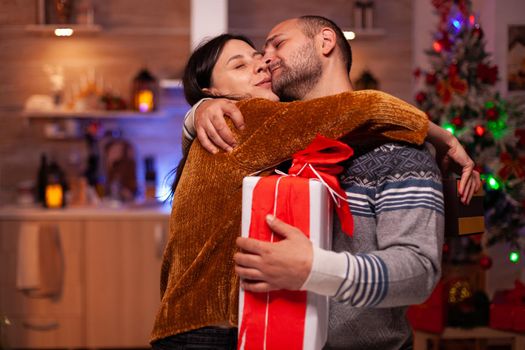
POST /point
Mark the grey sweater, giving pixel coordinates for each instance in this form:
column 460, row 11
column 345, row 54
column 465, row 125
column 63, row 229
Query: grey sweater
column 394, row 258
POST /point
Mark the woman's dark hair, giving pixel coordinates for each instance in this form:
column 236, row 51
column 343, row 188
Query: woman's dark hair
column 198, row 71
column 197, row 76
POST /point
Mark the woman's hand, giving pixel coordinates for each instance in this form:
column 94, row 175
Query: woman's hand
column 452, row 157
column 210, row 124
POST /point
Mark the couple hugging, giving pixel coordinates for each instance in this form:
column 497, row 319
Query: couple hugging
column 392, row 182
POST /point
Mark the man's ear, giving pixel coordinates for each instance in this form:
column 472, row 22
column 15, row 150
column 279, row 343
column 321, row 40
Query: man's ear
column 328, row 38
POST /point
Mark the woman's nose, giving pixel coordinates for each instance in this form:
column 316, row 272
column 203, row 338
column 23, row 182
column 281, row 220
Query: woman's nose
column 262, row 66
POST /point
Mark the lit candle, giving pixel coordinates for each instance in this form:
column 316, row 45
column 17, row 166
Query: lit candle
column 145, row 100
column 54, row 196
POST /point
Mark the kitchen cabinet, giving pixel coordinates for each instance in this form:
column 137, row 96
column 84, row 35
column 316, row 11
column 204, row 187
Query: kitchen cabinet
column 122, row 281
column 110, row 291
column 43, row 322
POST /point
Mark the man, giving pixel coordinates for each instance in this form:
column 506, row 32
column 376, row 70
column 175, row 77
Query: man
column 394, row 190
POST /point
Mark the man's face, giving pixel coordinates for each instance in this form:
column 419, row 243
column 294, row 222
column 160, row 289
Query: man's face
column 293, row 60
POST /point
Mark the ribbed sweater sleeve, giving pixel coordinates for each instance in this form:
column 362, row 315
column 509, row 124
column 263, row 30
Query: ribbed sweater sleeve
column 401, row 214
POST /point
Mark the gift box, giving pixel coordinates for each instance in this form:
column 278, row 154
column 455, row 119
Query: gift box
column 461, row 219
column 431, row 315
column 285, row 319
column 507, row 311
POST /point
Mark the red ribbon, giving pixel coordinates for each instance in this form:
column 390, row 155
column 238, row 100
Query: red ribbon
column 286, row 310
column 321, row 159
column 512, row 166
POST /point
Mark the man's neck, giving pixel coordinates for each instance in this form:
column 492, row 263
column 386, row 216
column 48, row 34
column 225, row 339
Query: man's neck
column 332, row 82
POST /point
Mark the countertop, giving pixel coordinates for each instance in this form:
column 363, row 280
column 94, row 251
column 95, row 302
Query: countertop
column 128, row 212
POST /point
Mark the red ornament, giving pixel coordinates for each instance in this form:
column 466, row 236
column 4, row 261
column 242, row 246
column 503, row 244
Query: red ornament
column 417, row 72
column 421, row 97
column 487, row 75
column 453, row 70
column 480, row 130
column 430, row 79
column 457, row 121
column 485, row 262
column 446, row 248
column 492, row 114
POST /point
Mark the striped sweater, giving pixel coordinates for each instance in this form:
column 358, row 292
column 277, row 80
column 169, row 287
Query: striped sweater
column 393, row 259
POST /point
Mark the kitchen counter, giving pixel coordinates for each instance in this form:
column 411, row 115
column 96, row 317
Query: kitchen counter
column 128, row 212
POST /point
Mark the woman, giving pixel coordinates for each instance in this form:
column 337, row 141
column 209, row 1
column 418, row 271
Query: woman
column 198, row 283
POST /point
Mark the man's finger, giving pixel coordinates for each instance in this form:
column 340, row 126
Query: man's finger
column 466, row 173
column 253, row 246
column 235, row 115
column 205, row 141
column 215, row 137
column 280, row 227
column 247, row 260
column 257, row 286
column 219, row 123
column 247, row 273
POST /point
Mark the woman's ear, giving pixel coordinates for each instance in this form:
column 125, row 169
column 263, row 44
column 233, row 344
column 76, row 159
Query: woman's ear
column 329, row 39
column 209, row 91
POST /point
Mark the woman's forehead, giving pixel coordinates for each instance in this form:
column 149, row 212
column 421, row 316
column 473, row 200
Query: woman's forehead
column 235, row 48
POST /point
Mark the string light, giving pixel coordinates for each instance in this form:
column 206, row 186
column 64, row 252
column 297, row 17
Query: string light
column 437, row 46
column 514, row 256
column 493, row 183
column 451, row 128
column 479, row 130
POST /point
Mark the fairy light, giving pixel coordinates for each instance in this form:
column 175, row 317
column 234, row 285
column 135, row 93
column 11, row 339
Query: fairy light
column 514, row 257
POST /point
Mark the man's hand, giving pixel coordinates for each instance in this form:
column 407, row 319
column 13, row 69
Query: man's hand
column 265, row 266
column 456, row 159
column 210, row 124
column 452, row 157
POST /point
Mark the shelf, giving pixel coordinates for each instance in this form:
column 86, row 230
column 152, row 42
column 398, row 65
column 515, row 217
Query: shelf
column 50, row 28
column 365, row 33
column 93, row 115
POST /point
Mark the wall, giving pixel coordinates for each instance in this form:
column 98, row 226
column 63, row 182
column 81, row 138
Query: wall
column 135, row 34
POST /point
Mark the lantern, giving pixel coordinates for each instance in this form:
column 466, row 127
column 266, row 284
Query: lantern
column 145, row 92
column 54, row 196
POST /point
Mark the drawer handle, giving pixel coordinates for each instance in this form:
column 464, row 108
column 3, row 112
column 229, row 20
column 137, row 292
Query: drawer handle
column 41, row 327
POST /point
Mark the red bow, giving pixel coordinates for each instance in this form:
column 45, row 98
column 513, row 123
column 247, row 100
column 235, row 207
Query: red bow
column 319, row 160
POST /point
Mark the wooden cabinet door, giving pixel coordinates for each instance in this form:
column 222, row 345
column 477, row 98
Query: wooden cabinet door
column 123, row 261
column 38, row 321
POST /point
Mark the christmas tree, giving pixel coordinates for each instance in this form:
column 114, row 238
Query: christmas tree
column 458, row 93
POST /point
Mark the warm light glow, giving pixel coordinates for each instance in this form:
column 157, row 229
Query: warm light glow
column 145, row 100
column 472, row 19
column 437, row 46
column 54, row 196
column 479, row 130
column 63, row 32
column 349, row 35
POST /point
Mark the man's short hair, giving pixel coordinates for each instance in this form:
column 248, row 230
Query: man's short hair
column 312, row 25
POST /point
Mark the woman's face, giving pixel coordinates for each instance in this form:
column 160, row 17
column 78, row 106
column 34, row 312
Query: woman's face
column 240, row 72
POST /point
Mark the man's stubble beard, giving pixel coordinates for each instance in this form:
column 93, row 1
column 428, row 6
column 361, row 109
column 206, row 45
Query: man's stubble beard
column 299, row 76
